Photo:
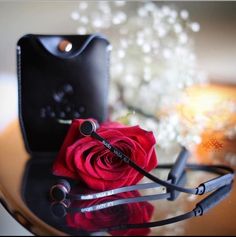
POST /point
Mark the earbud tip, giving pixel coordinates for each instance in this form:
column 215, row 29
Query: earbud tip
column 60, row 190
column 88, row 127
column 58, row 194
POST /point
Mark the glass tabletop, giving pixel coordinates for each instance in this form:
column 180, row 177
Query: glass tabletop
column 25, row 183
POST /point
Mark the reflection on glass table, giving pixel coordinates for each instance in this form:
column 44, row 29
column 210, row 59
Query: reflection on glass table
column 127, row 213
column 25, row 188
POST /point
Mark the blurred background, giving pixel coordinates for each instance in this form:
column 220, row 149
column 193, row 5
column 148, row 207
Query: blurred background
column 214, row 46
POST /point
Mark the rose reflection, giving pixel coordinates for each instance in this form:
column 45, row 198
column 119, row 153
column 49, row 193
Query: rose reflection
column 105, row 219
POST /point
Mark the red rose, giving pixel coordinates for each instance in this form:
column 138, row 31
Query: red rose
column 100, row 220
column 86, row 159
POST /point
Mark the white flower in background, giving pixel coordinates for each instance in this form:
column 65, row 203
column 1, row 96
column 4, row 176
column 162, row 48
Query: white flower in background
column 152, row 62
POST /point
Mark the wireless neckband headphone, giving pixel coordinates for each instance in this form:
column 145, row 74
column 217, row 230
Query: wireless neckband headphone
column 89, row 127
column 62, row 190
column 61, row 209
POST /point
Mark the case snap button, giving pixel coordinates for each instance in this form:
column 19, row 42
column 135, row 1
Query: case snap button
column 65, row 46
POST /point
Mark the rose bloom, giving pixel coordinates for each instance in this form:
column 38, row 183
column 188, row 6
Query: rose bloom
column 114, row 220
column 86, row 159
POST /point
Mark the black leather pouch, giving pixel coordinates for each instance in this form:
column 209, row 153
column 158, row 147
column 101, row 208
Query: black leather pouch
column 60, row 77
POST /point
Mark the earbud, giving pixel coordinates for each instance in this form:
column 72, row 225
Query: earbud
column 60, row 190
column 88, row 127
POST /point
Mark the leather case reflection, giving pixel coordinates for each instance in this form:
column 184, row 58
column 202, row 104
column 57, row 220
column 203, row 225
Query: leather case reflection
column 58, row 85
